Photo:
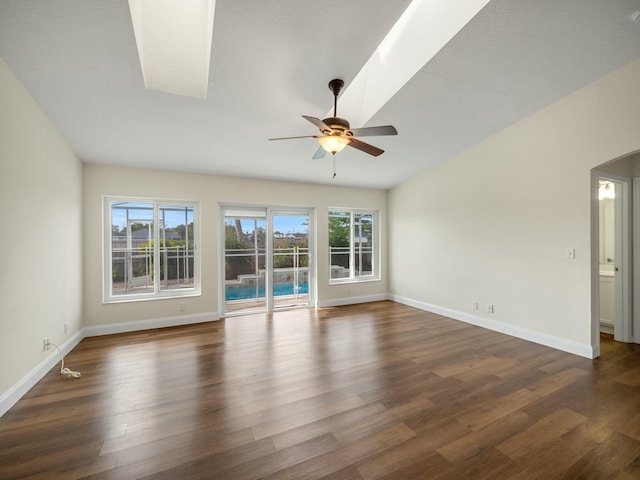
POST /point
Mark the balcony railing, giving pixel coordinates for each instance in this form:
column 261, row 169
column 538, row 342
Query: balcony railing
column 133, row 268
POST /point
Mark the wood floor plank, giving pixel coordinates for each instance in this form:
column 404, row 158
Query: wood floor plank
column 293, row 416
column 355, row 416
column 544, row 431
column 426, row 467
column 555, row 455
column 493, row 411
column 558, row 380
column 380, row 421
column 329, row 463
column 607, row 459
column 396, row 458
column 630, row 377
column 257, row 467
column 489, row 464
column 369, row 391
column 476, row 442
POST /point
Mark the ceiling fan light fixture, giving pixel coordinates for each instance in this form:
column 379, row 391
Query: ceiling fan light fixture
column 334, row 143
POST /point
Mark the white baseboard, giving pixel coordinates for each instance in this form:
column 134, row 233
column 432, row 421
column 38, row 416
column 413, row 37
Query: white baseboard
column 26, row 383
column 584, row 350
column 606, row 328
column 15, row 393
column 124, row 327
column 338, row 302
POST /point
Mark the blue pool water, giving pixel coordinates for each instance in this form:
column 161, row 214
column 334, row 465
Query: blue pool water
column 245, row 293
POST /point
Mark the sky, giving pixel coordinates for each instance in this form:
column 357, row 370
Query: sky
column 171, row 218
column 282, row 224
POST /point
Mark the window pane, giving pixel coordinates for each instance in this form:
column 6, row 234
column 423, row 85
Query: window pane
column 352, row 247
column 339, row 244
column 245, row 257
column 363, row 244
column 131, row 248
column 176, row 237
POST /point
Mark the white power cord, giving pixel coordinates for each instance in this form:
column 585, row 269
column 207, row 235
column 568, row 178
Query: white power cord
column 63, row 370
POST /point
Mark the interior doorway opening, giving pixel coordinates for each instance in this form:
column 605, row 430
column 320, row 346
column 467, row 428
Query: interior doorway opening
column 610, row 251
column 616, row 251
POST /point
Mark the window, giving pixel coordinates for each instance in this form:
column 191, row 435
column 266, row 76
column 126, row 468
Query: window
column 150, row 249
column 352, row 245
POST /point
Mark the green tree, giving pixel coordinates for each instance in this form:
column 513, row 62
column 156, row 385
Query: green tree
column 138, row 226
column 231, row 240
column 363, row 226
column 339, row 231
column 180, row 230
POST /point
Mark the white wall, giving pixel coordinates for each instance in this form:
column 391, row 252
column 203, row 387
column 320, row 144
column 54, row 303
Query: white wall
column 211, row 191
column 41, row 239
column 493, row 223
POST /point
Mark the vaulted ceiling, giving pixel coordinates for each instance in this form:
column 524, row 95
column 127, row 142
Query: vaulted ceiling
column 270, row 64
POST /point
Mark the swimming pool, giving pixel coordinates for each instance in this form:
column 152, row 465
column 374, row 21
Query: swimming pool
column 280, row 289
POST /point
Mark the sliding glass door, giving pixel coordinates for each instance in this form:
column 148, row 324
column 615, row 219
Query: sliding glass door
column 266, row 258
column 245, row 260
column 290, row 259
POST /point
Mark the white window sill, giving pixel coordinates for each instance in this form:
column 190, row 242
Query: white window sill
column 148, row 297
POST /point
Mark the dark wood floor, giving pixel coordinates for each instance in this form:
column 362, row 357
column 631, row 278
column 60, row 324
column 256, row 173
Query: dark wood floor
column 379, row 390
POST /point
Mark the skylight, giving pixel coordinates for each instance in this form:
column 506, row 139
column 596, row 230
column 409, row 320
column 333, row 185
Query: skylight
column 424, row 28
column 174, row 44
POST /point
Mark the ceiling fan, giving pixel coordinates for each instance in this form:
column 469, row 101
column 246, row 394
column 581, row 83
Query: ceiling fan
column 337, row 133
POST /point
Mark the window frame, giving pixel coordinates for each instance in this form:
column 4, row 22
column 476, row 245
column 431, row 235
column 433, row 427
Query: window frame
column 107, row 251
column 375, row 250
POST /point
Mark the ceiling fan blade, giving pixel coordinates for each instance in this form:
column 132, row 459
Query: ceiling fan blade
column 365, row 147
column 318, row 123
column 289, row 138
column 320, row 153
column 371, row 131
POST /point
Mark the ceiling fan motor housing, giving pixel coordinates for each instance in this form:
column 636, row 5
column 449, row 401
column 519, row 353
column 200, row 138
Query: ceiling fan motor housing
column 337, row 124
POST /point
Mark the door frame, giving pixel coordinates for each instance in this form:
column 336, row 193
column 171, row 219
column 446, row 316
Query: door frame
column 293, row 211
column 270, row 211
column 623, row 320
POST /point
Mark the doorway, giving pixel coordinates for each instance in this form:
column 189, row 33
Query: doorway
column 266, row 259
column 614, row 256
column 607, row 252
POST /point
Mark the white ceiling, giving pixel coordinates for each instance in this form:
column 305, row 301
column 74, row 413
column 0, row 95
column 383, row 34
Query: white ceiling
column 271, row 63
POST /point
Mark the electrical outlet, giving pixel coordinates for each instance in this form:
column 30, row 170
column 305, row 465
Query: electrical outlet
column 474, row 304
column 45, row 343
column 182, row 307
column 490, row 308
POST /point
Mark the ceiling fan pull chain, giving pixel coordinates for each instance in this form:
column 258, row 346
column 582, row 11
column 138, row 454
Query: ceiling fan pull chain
column 334, row 165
